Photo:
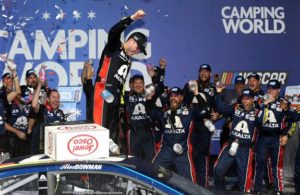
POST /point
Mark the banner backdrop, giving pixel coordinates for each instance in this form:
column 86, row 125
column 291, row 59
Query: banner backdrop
column 235, row 37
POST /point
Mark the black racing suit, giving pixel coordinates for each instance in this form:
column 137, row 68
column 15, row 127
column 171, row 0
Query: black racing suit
column 17, row 117
column 297, row 164
column 140, row 138
column 3, row 103
column 202, row 137
column 45, row 116
column 113, row 68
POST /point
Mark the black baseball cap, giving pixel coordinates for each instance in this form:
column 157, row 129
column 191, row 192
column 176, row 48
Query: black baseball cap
column 8, row 74
column 205, row 67
column 141, row 41
column 253, row 75
column 137, row 76
column 275, row 84
column 239, row 79
column 176, row 90
column 248, row 93
column 30, row 72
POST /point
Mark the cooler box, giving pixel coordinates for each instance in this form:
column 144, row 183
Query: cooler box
column 76, row 142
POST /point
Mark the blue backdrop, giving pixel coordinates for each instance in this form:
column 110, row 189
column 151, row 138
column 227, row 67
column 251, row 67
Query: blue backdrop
column 235, row 37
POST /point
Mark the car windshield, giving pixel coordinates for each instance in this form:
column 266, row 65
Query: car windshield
column 75, row 183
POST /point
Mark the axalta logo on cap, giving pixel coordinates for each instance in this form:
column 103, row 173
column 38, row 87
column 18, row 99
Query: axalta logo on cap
column 82, row 145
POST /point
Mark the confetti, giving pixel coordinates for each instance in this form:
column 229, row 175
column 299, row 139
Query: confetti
column 3, row 57
column 59, row 49
column 11, row 17
column 23, row 24
column 4, row 16
column 56, row 6
column 76, row 14
column 60, row 15
column 37, row 11
column 28, row 18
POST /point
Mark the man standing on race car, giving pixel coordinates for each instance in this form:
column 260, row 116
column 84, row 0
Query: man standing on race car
column 113, row 68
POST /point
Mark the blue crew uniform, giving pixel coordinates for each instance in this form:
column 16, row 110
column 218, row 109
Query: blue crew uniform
column 243, row 131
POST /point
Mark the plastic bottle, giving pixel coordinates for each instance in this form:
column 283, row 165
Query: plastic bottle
column 149, row 90
column 266, row 97
column 211, row 127
column 192, row 85
column 107, row 96
column 234, row 147
column 113, row 147
column 150, row 69
column 42, row 73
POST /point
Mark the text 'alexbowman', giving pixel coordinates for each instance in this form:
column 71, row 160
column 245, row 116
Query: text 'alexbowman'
column 81, row 167
column 264, row 20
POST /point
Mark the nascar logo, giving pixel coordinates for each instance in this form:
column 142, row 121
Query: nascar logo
column 228, row 77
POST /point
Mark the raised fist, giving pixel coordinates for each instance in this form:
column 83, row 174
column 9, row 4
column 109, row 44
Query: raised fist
column 139, row 14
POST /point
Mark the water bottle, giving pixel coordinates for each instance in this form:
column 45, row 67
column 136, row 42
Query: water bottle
column 113, row 147
column 234, row 147
column 42, row 73
column 107, row 96
column 211, row 127
column 11, row 64
column 192, row 85
column 150, row 69
column 266, row 97
column 149, row 90
column 219, row 83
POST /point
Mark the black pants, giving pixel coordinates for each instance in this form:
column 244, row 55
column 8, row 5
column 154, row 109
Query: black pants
column 19, row 147
column 141, row 144
column 297, row 170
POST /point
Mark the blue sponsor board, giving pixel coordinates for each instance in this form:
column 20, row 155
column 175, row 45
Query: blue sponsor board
column 235, row 37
